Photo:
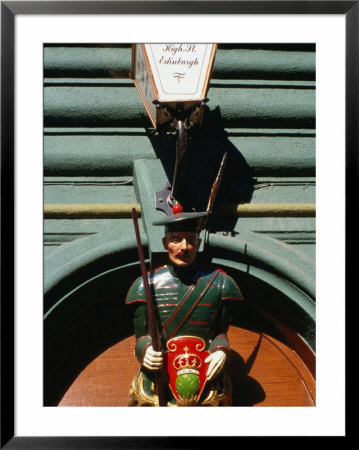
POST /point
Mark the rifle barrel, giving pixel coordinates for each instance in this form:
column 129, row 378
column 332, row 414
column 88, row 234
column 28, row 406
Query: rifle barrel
column 150, row 309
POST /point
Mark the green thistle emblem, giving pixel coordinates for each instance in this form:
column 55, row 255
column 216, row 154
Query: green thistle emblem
column 187, row 385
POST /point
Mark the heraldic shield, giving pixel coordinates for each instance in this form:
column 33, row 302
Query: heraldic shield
column 186, row 368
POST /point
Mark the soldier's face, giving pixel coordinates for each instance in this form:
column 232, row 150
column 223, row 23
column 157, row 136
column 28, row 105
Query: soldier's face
column 182, row 247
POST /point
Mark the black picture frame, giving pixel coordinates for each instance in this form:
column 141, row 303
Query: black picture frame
column 9, row 10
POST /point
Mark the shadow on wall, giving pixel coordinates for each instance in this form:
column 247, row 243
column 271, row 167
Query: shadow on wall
column 206, row 147
column 246, row 390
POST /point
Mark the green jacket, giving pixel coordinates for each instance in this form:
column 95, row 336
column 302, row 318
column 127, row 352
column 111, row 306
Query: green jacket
column 197, row 305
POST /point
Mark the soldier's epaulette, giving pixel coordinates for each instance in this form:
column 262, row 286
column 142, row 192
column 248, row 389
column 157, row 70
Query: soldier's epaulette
column 136, row 293
column 230, row 289
column 129, row 301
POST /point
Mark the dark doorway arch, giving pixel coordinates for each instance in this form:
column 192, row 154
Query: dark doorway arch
column 91, row 326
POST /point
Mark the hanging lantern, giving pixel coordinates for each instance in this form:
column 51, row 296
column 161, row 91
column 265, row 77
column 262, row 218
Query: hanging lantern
column 173, row 80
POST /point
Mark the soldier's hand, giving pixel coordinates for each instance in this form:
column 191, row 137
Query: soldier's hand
column 152, row 360
column 216, row 362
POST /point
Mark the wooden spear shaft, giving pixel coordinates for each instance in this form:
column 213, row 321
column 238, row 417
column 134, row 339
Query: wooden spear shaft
column 150, row 311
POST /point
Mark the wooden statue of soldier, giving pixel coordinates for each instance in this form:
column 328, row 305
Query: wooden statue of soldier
column 193, row 312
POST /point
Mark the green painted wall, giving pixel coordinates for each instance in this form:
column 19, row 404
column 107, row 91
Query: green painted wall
column 99, row 149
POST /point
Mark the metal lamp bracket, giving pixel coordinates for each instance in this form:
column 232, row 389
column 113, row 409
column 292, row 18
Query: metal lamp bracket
column 170, row 195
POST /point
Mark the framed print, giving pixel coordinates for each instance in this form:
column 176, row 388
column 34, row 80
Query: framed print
column 97, row 115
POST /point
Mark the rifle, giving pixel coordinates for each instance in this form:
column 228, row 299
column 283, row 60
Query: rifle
column 214, row 190
column 159, row 381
